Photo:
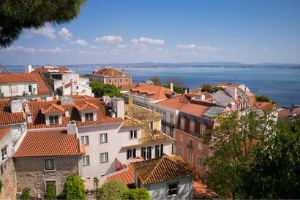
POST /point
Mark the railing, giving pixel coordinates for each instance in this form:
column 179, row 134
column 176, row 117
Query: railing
column 168, row 123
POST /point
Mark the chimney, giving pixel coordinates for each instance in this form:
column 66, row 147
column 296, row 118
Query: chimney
column 118, row 105
column 202, row 97
column 185, row 91
column 16, row 106
column 71, row 127
column 123, row 72
column 28, row 69
column 172, row 87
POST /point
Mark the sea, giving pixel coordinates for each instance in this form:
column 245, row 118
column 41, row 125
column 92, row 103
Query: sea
column 281, row 84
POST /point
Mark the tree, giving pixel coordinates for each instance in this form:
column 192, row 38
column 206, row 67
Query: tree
column 18, row 15
column 1, row 185
column 210, row 89
column 262, row 98
column 50, row 191
column 25, row 193
column 101, row 89
column 275, row 172
column 177, row 81
column 96, row 185
column 156, row 80
column 233, row 144
column 73, row 188
column 112, row 190
column 136, row 194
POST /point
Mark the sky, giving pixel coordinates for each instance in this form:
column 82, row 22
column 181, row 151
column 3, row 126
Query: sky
column 132, row 31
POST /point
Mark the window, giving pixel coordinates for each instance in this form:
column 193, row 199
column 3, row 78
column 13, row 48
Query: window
column 103, row 157
column 53, row 119
column 182, row 123
column 49, row 164
column 190, row 156
column 190, row 144
column 180, row 151
column 109, row 80
column 116, row 80
column 4, row 153
column 173, row 189
column 103, row 138
column 131, row 153
column 146, row 153
column 202, row 128
column 89, row 117
column 133, row 134
column 29, row 88
column 126, row 80
column 165, row 116
column 151, row 125
column 85, row 160
column 181, row 137
column 200, row 146
column 85, row 140
column 121, row 80
column 159, row 150
column 14, row 88
column 192, row 126
column 198, row 161
column 171, row 119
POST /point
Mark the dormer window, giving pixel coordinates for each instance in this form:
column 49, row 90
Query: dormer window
column 53, row 119
column 89, row 117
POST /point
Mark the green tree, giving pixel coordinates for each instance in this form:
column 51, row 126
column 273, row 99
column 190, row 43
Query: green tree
column 73, row 188
column 101, row 89
column 136, row 194
column 275, row 172
column 96, row 185
column 233, row 144
column 25, row 193
column 210, row 89
column 50, row 191
column 112, row 190
column 262, row 98
column 18, row 15
column 1, row 185
column 156, row 80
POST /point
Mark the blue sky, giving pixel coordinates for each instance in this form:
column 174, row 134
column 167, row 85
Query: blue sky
column 129, row 31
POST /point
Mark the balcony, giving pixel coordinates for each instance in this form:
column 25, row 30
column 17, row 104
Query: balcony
column 168, row 123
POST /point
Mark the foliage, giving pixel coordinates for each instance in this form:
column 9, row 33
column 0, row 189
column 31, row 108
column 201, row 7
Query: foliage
column 156, row 80
column 210, row 89
column 112, row 190
column 1, row 185
column 25, row 193
column 177, row 81
column 73, row 188
column 275, row 172
column 101, row 89
column 18, row 15
column 262, row 98
column 179, row 90
column 233, row 144
column 136, row 194
column 96, row 185
column 50, row 191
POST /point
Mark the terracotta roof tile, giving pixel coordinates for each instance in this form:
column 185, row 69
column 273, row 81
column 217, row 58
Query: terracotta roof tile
column 4, row 131
column 46, row 69
column 196, row 109
column 43, row 87
column 49, row 143
column 127, row 87
column 283, row 113
column 6, row 116
column 126, row 175
column 52, row 108
column 161, row 169
column 156, row 92
column 265, row 105
column 108, row 71
column 15, row 78
column 84, row 106
column 201, row 190
column 227, row 85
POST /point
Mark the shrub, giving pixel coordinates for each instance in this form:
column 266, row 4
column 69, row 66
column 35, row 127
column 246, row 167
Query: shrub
column 73, row 188
column 1, row 185
column 101, row 89
column 208, row 88
column 50, row 191
column 112, row 190
column 136, row 194
column 25, row 193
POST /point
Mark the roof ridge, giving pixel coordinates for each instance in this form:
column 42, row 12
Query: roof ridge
column 154, row 169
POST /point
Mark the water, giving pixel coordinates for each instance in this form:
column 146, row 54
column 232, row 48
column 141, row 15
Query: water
column 280, row 84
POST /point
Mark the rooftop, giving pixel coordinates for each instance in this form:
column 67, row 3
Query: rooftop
column 4, row 131
column 49, row 143
column 6, row 116
column 161, row 169
column 46, row 69
column 108, row 71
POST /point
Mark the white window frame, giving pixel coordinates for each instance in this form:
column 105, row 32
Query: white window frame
column 182, row 123
column 181, row 137
column 105, row 156
column 200, row 146
column 181, row 151
column 102, row 140
column 89, row 116
column 85, row 160
column 202, row 128
column 133, row 134
column 131, row 153
column 176, row 189
column 4, row 153
column 190, row 156
column 85, row 140
column 52, row 119
column 192, row 126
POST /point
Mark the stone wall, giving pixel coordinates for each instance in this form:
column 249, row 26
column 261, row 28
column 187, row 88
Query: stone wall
column 31, row 173
column 8, row 178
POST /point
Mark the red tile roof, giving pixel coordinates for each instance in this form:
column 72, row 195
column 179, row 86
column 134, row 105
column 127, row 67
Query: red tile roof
column 6, row 116
column 109, row 71
column 38, row 118
column 161, row 169
column 227, row 85
column 196, row 109
column 201, row 190
column 46, row 69
column 156, row 92
column 83, row 106
column 296, row 111
column 265, row 105
column 49, row 143
column 15, row 78
column 127, row 87
column 283, row 113
column 4, row 131
column 52, row 108
column 125, row 175
column 43, row 87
